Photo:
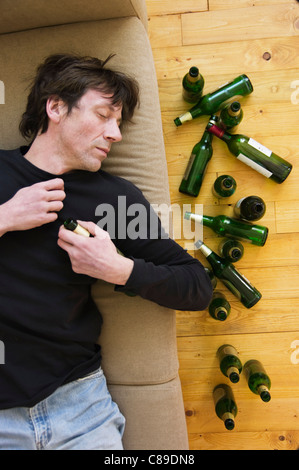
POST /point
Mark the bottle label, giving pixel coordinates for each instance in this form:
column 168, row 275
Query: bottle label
column 229, row 350
column 189, row 166
column 239, row 202
column 218, row 394
column 260, row 147
column 254, row 165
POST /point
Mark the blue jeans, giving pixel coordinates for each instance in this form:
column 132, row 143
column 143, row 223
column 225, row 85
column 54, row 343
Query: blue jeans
column 77, row 416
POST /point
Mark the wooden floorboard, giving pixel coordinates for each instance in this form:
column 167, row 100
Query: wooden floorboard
column 225, row 38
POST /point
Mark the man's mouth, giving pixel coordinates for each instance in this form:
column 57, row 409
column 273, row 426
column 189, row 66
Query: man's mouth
column 104, row 151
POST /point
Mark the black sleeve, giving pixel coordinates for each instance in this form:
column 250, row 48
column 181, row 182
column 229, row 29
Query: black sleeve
column 163, row 271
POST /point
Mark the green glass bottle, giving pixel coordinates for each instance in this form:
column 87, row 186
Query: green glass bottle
column 193, row 83
column 231, row 277
column 231, row 250
column 257, row 379
column 219, row 307
column 250, row 208
column 231, row 115
column 224, row 186
column 197, row 165
column 230, row 364
column 253, row 154
column 72, row 224
column 212, row 277
column 212, row 102
column 225, row 405
column 232, row 228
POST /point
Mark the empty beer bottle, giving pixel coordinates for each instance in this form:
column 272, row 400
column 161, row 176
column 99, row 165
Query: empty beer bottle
column 230, row 364
column 230, row 276
column 232, row 228
column 257, row 378
column 225, row 405
column 72, row 224
column 224, row 186
column 219, row 307
column 253, row 154
column 212, row 102
column 197, row 165
column 231, row 250
column 250, row 208
column 231, row 115
column 193, row 83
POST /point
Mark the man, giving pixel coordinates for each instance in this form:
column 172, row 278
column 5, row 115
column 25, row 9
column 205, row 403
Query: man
column 53, row 393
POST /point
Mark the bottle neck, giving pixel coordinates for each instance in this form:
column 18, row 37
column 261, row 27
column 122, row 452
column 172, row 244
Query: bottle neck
column 203, row 248
column 207, row 137
column 192, row 79
column 220, row 133
column 233, row 113
column 201, row 219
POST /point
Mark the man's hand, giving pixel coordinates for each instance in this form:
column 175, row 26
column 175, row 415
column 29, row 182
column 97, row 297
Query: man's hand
column 96, row 256
column 32, row 206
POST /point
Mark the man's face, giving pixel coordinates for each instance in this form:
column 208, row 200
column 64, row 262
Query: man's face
column 87, row 133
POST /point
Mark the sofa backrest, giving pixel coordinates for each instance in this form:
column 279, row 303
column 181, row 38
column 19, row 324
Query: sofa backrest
column 20, row 15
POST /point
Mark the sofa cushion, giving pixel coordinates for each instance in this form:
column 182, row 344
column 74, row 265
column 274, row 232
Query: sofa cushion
column 155, row 417
column 138, row 339
column 129, row 323
column 19, row 15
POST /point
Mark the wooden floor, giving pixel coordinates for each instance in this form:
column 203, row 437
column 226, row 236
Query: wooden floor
column 225, row 38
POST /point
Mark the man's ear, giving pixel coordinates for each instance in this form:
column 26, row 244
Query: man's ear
column 56, row 108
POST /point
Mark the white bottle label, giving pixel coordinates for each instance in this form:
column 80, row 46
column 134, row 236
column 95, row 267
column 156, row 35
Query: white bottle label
column 189, row 166
column 254, row 165
column 260, row 147
column 238, row 203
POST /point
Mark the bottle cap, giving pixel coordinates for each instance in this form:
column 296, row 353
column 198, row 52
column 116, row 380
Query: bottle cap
column 229, row 424
column 198, row 244
column 234, row 377
column 70, row 224
column 221, row 314
column 236, row 253
column 193, row 72
column 235, row 106
column 265, row 396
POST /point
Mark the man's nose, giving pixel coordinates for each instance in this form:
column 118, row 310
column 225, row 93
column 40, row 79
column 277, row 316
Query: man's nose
column 112, row 132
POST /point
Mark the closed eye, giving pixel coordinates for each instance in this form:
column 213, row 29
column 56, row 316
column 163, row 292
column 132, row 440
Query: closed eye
column 102, row 116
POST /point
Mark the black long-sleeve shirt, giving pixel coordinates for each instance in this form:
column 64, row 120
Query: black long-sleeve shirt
column 49, row 323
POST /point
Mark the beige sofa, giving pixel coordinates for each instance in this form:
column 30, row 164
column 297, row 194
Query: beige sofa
column 138, row 337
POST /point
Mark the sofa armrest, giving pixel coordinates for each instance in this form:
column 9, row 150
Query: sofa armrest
column 22, row 15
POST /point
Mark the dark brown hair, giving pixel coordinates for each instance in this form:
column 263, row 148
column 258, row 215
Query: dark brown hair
column 69, row 77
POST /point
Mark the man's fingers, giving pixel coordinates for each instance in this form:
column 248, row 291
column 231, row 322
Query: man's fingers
column 56, row 195
column 55, row 206
column 55, row 183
